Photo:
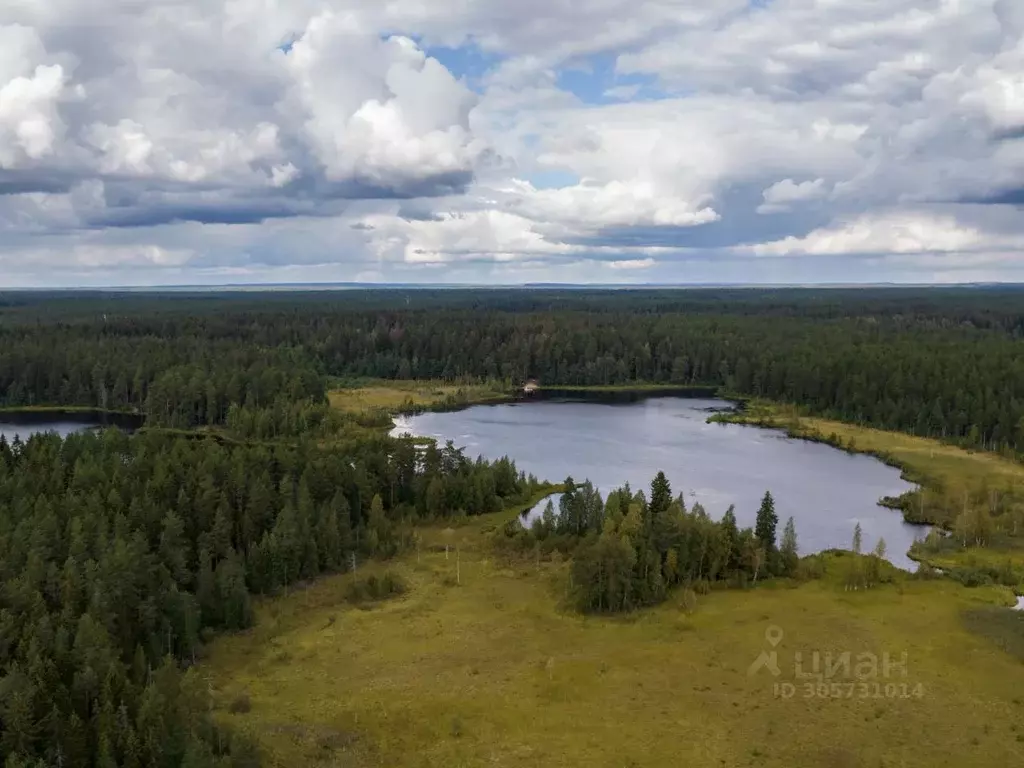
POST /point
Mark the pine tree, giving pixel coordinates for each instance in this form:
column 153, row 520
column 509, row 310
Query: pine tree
column 328, row 540
column 731, row 533
column 173, row 552
column 855, row 572
column 661, row 495
column 378, row 536
column 788, row 550
column 767, row 522
column 220, row 536
column 232, row 595
column 343, row 514
column 206, row 591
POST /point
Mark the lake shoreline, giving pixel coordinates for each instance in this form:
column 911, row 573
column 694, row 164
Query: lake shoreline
column 587, row 440
column 86, row 418
column 763, row 418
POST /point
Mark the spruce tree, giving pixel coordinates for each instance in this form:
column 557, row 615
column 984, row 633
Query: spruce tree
column 767, row 522
column 661, row 495
column 731, row 533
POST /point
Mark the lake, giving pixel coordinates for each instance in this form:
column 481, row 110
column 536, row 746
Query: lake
column 27, row 423
column 825, row 490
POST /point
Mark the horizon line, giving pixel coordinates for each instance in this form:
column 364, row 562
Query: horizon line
column 327, row 286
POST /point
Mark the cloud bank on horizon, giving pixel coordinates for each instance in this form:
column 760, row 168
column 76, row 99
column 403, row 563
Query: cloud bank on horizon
column 148, row 142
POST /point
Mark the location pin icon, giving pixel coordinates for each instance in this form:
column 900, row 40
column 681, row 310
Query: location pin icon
column 773, row 635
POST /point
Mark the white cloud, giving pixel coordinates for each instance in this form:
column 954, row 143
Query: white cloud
column 89, row 256
column 780, row 195
column 632, row 264
column 377, row 110
column 891, row 233
column 204, row 95
column 280, row 124
column 487, row 234
column 31, row 85
column 592, row 206
column 622, row 92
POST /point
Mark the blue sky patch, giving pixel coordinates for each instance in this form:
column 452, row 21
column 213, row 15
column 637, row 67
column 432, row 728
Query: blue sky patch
column 466, row 61
column 552, row 179
column 595, row 81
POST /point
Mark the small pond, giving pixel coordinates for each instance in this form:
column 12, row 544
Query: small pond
column 27, row 423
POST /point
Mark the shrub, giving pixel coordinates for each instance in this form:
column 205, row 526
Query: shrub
column 374, row 588
column 240, row 704
column 457, row 728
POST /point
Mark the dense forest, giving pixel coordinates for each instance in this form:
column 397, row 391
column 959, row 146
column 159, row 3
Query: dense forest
column 631, row 550
column 120, row 553
column 945, row 363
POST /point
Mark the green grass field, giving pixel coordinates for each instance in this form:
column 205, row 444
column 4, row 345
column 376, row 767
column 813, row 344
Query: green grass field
column 405, row 395
column 481, row 664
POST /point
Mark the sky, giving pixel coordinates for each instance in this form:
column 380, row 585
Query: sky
column 204, row 142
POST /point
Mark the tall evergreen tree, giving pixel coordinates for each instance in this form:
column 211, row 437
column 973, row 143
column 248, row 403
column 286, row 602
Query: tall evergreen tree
column 661, row 495
column 767, row 522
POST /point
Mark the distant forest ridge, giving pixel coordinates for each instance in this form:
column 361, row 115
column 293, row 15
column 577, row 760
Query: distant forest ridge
column 943, row 362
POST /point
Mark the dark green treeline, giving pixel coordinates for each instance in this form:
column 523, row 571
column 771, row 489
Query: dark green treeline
column 119, row 554
column 631, row 550
column 945, row 363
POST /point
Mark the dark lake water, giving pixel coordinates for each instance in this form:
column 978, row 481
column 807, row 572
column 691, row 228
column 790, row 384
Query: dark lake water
column 825, row 490
column 25, row 425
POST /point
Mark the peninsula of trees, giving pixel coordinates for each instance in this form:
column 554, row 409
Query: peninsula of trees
column 630, row 551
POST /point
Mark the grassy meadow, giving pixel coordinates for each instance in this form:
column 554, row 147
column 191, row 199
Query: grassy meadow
column 479, row 663
column 940, row 467
column 397, row 396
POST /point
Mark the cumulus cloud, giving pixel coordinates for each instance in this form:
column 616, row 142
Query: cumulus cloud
column 209, row 100
column 780, row 196
column 592, row 205
column 474, row 235
column 212, row 138
column 377, row 111
column 892, row 233
column 31, row 85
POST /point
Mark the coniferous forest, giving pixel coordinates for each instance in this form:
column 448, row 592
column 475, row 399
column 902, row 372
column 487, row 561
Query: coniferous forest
column 630, row 551
column 121, row 554
column 939, row 362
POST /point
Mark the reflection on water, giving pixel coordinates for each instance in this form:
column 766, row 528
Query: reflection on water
column 62, row 428
column 826, row 490
column 26, row 423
